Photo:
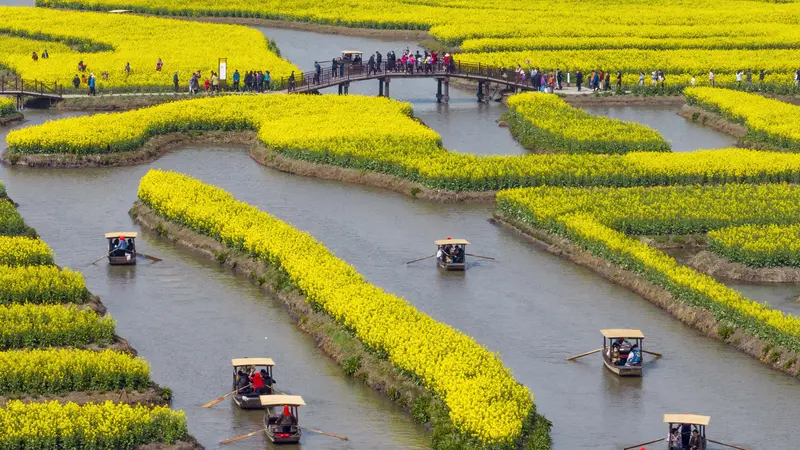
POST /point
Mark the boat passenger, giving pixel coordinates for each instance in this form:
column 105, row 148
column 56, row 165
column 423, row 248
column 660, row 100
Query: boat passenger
column 458, row 255
column 440, row 254
column 624, row 347
column 241, row 382
column 258, row 382
column 634, row 357
column 695, row 442
column 674, row 439
column 268, row 381
column 123, row 244
column 287, row 420
column 685, row 435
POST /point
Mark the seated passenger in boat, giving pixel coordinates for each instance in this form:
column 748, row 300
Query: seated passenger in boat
column 258, row 382
column 268, row 381
column 634, row 357
column 623, row 347
column 123, row 244
column 696, row 442
column 286, row 421
column 674, row 439
column 458, row 254
column 440, row 254
column 242, row 382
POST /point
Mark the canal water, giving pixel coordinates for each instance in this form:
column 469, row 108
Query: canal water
column 188, row 317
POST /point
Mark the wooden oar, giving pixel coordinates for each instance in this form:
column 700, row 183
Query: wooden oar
column 726, row 445
column 643, row 443
column 214, row 402
column 420, row 259
column 583, row 354
column 244, row 436
column 152, row 258
column 479, row 256
column 338, row 436
column 657, row 355
column 98, row 259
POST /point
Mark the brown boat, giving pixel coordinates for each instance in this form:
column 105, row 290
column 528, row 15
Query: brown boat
column 248, row 398
column 122, row 248
column 451, row 253
column 280, row 427
column 615, row 356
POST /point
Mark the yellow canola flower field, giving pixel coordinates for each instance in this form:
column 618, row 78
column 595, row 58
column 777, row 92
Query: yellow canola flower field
column 31, row 326
column 456, row 22
column 41, row 285
column 53, row 425
column 183, row 46
column 24, row 251
column 55, row 371
column 599, row 218
column 758, row 245
column 379, row 135
column 768, row 121
column 485, row 401
column 7, row 106
column 546, row 122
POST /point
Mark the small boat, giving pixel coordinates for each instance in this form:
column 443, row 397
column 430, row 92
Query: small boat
column 122, row 248
column 248, row 398
column 451, row 253
column 687, row 424
column 614, row 341
column 281, row 420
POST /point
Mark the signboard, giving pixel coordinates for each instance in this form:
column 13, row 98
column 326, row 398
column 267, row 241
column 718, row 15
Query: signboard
column 223, row 69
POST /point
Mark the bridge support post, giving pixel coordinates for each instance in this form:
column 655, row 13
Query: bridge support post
column 386, row 85
column 447, row 90
column 380, row 87
column 439, row 90
column 480, row 91
column 340, row 89
column 343, row 88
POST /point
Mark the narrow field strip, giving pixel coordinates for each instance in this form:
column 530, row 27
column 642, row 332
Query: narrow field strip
column 35, row 326
column 546, row 122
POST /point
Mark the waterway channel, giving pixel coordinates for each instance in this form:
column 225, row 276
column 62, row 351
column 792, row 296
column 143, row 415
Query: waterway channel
column 188, row 317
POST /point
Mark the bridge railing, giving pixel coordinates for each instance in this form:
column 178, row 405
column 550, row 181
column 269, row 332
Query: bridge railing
column 16, row 85
column 309, row 81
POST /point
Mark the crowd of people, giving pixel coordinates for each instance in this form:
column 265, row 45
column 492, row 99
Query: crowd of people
column 450, row 254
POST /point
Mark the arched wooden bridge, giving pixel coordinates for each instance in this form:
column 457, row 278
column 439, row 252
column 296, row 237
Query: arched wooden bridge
column 19, row 88
column 483, row 75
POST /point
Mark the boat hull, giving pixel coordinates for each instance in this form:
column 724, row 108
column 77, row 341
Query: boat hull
column 248, row 401
column 632, row 371
column 452, row 266
column 281, row 438
column 121, row 261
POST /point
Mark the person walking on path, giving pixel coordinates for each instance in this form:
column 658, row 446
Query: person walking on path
column 559, row 78
column 749, row 78
column 378, row 60
column 92, row 84
column 214, row 82
column 579, row 79
column 291, row 81
column 76, row 81
column 175, row 80
column 267, row 80
column 236, row 78
column 317, row 72
column 712, row 78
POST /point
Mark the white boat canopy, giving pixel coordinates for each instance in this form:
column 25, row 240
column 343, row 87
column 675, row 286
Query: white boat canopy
column 239, row 362
column 125, row 234
column 692, row 419
column 622, row 333
column 451, row 242
column 282, row 400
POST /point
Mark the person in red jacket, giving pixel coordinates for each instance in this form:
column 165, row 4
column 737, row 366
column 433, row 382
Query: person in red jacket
column 258, row 382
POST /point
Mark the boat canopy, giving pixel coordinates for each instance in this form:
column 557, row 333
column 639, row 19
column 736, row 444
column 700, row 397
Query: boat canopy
column 451, row 242
column 239, row 362
column 351, row 52
column 622, row 333
column 692, row 419
column 282, row 400
column 125, row 234
column 119, row 11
